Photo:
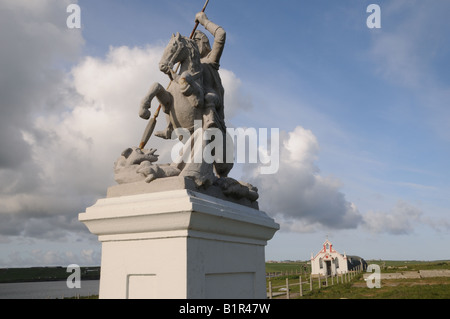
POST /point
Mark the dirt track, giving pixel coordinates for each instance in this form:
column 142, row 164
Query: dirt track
column 414, row 274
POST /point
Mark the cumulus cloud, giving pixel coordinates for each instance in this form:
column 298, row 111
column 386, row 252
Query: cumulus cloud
column 297, row 195
column 71, row 152
column 236, row 100
column 35, row 38
column 66, row 119
column 36, row 46
column 60, row 131
column 402, row 219
column 302, row 200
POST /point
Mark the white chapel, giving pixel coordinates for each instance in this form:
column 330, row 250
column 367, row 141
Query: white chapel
column 328, row 262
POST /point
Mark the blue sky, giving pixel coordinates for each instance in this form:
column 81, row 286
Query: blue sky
column 363, row 115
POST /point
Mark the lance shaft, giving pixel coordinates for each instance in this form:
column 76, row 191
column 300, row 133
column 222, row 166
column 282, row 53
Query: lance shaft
column 197, row 23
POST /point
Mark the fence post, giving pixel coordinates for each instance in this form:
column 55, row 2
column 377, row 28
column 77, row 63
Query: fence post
column 326, row 280
column 270, row 289
column 301, row 286
column 287, row 288
column 332, row 280
column 310, row 282
column 319, row 281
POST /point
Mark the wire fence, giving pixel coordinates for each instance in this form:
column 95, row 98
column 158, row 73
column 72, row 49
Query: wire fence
column 295, row 285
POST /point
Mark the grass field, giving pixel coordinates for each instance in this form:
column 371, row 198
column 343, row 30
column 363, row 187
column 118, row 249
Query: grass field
column 425, row 288
column 395, row 265
column 413, row 288
column 287, row 267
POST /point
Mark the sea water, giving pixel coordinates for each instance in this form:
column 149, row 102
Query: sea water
column 47, row 290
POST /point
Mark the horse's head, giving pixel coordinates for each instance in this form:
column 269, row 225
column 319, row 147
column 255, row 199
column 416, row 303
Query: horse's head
column 179, row 49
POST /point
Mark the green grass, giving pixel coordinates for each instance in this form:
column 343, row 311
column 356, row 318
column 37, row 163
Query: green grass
column 294, row 267
column 414, row 288
column 396, row 266
column 428, row 288
column 294, row 285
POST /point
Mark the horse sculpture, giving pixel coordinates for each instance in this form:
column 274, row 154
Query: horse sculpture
column 186, row 102
column 184, row 99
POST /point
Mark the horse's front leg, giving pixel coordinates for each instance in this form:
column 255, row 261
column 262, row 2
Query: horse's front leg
column 163, row 96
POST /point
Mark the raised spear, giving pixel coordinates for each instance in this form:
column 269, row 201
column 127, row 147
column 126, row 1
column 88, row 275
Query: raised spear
column 152, row 123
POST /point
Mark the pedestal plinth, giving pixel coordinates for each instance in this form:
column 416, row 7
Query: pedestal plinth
column 180, row 244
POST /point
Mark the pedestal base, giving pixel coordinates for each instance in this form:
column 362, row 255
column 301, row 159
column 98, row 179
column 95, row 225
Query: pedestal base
column 180, row 244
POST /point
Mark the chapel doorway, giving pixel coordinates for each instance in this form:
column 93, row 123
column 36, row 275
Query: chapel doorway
column 328, row 264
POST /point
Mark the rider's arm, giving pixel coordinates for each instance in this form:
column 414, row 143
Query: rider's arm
column 219, row 36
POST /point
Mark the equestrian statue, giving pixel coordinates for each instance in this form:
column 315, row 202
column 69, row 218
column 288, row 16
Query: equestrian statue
column 193, row 103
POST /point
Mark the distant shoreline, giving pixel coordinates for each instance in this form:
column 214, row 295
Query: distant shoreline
column 45, row 274
column 59, row 273
column 43, row 280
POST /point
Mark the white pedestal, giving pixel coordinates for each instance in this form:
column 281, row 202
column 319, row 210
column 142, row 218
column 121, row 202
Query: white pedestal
column 180, row 244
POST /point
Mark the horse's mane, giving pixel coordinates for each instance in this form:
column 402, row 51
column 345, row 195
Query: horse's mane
column 193, row 49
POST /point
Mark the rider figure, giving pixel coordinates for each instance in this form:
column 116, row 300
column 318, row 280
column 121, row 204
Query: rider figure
column 213, row 114
column 210, row 59
column 213, row 104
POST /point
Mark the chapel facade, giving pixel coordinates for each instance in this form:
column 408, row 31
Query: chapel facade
column 328, row 261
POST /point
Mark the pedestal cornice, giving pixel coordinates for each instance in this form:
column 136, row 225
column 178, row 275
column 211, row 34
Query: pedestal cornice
column 176, row 213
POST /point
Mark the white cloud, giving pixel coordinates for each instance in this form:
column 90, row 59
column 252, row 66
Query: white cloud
column 36, row 45
column 400, row 220
column 236, row 101
column 34, row 39
column 297, row 195
column 72, row 149
column 104, row 121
